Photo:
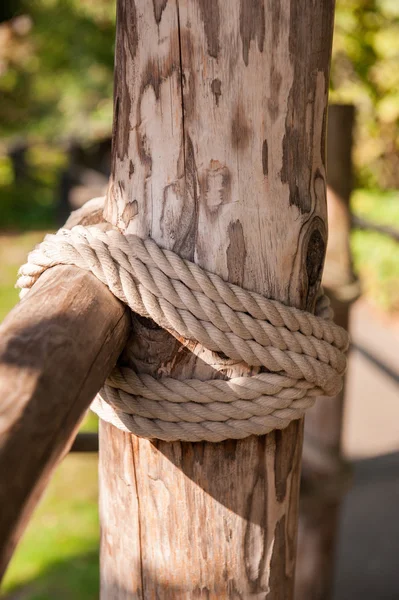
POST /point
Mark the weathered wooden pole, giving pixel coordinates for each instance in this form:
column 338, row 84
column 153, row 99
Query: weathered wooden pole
column 218, row 154
column 324, row 472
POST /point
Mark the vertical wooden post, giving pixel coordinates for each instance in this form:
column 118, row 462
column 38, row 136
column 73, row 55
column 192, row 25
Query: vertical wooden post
column 324, row 471
column 218, row 154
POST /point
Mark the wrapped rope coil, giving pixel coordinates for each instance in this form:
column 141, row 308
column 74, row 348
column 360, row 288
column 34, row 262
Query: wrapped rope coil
column 303, row 354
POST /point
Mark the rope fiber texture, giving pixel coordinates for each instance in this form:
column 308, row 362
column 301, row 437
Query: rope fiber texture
column 303, row 354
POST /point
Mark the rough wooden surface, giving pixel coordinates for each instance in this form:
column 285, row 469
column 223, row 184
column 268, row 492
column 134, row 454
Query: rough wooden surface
column 56, row 348
column 218, row 154
column 322, row 460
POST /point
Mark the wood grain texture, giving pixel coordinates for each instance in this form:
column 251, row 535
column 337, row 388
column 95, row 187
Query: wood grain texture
column 218, row 154
column 322, row 458
column 56, row 348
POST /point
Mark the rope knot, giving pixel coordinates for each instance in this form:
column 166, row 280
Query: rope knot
column 299, row 355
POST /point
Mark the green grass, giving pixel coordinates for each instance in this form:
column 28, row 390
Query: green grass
column 58, row 555
column 14, row 249
column 376, row 256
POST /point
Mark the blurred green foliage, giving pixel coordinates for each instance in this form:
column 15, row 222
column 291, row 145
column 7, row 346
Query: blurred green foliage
column 56, row 75
column 56, row 79
column 57, row 63
column 365, row 72
column 29, row 202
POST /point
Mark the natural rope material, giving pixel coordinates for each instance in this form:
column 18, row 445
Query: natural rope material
column 303, row 353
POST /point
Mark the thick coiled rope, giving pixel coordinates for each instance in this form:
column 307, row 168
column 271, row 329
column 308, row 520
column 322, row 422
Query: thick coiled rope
column 303, row 353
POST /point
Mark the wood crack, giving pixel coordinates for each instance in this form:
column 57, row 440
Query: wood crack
column 131, row 438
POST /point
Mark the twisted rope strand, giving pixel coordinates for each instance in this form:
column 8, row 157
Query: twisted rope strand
column 303, row 353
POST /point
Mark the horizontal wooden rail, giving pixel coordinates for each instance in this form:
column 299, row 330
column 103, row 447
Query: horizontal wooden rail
column 360, row 223
column 85, row 442
column 57, row 347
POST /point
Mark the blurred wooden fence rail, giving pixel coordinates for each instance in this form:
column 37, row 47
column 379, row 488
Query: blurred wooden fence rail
column 85, row 442
column 367, row 225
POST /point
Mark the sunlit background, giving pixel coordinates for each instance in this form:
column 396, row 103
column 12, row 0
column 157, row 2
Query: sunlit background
column 56, row 79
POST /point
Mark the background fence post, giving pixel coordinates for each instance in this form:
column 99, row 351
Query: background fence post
column 218, row 154
column 324, row 472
